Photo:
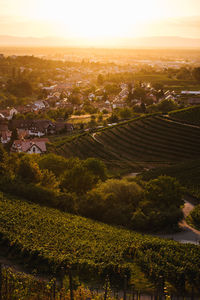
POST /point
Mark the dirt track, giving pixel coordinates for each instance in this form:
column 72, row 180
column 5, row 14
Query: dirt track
column 188, row 234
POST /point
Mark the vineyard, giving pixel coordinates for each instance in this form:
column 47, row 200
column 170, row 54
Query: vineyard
column 153, row 139
column 189, row 114
column 54, row 242
column 18, row 285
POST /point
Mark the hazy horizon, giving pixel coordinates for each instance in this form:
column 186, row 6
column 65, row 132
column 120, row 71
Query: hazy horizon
column 100, row 24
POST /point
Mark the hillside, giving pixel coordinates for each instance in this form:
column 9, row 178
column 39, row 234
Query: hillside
column 189, row 115
column 187, row 173
column 146, row 140
column 55, row 241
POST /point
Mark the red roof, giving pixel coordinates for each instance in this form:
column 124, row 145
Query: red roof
column 25, row 145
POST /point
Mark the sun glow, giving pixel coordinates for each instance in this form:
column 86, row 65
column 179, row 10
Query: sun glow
column 99, row 22
column 93, row 19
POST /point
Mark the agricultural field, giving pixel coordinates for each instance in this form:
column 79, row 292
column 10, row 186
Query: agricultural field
column 190, row 115
column 143, row 141
column 56, row 242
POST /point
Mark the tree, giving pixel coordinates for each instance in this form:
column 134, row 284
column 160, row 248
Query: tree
column 20, row 88
column 92, row 122
column 29, row 171
column 183, row 74
column 161, row 206
column 164, row 191
column 48, row 180
column 157, row 86
column 2, row 153
column 96, row 167
column 54, row 163
column 113, row 118
column 196, row 74
column 139, row 93
column 125, row 113
column 100, row 79
column 167, row 105
column 77, row 180
column 113, row 201
column 14, row 136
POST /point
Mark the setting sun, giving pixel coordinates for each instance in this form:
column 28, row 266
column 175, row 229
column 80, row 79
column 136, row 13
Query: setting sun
column 102, row 22
column 91, row 19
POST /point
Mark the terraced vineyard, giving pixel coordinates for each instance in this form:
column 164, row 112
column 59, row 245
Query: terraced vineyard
column 55, row 241
column 148, row 139
column 190, row 114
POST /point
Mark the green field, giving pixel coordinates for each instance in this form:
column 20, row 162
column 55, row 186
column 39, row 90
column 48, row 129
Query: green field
column 51, row 241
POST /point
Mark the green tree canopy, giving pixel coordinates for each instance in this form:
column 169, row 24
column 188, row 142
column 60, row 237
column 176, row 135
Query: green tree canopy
column 28, row 170
column 196, row 73
column 78, row 180
column 97, row 167
column 54, row 163
column 164, row 191
column 167, row 105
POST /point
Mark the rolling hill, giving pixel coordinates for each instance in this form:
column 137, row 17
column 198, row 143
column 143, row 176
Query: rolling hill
column 55, row 241
column 153, row 139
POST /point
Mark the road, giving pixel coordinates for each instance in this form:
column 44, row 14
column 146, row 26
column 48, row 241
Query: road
column 188, row 234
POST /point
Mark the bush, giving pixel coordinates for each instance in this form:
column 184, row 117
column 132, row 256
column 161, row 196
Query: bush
column 113, row 201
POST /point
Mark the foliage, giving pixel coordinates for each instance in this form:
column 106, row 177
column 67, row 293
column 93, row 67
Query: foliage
column 161, row 207
column 77, row 180
column 187, row 173
column 48, row 180
column 112, row 202
column 97, row 167
column 55, row 163
column 164, row 191
column 53, row 240
column 28, row 170
column 194, row 217
column 196, row 73
column 20, row 88
column 167, row 105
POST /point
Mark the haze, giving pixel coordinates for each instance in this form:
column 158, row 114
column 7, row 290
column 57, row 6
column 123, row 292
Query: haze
column 92, row 22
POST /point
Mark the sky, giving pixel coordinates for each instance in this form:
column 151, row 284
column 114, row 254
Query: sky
column 96, row 20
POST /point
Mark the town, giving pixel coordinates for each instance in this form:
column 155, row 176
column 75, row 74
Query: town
column 42, row 98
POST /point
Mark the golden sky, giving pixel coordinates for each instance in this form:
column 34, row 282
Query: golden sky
column 100, row 19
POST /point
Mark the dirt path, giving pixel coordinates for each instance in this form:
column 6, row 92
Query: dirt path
column 188, row 233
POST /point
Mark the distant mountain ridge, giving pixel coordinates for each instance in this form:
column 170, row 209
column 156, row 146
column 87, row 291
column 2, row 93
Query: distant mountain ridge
column 143, row 42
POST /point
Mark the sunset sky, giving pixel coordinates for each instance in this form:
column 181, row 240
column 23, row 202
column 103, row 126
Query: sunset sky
column 100, row 19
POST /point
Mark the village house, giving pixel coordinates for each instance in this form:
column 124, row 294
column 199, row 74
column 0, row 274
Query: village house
column 38, row 105
column 32, row 127
column 5, row 133
column 8, row 113
column 38, row 128
column 33, row 146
